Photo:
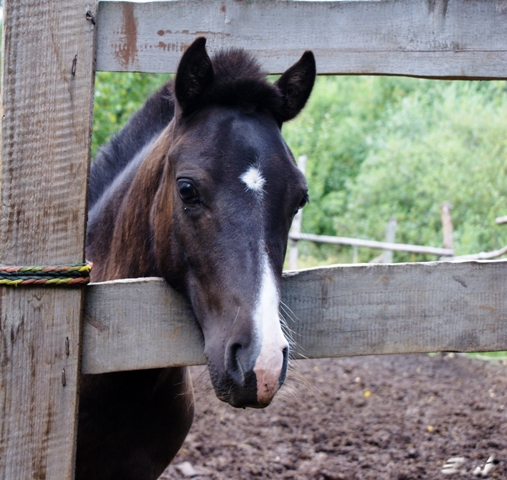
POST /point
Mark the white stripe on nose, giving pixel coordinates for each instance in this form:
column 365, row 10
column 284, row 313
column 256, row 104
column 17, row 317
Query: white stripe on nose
column 269, row 364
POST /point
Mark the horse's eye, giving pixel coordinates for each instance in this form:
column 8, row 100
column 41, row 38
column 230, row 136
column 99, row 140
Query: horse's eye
column 188, row 193
column 304, row 200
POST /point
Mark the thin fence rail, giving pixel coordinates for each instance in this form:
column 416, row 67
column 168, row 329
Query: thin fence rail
column 397, row 247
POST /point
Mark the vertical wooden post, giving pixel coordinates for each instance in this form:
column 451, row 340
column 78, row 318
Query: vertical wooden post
column 387, row 255
column 355, row 254
column 445, row 211
column 296, row 224
column 47, row 101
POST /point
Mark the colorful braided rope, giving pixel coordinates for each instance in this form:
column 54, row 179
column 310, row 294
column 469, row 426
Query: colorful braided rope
column 49, row 275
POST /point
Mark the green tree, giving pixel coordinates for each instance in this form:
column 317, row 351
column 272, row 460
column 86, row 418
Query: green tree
column 384, row 146
column 444, row 142
column 336, row 130
column 117, row 97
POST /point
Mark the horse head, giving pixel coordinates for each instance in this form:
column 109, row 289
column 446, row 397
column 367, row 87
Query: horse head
column 221, row 215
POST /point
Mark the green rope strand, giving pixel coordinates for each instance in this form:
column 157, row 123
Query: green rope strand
column 48, row 275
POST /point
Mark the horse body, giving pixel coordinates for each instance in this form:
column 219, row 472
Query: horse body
column 200, row 189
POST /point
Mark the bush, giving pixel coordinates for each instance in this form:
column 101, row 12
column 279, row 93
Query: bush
column 382, row 147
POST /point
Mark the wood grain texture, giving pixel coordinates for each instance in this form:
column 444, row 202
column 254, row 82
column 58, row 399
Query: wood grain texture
column 332, row 311
column 133, row 324
column 426, row 38
column 399, row 308
column 45, row 131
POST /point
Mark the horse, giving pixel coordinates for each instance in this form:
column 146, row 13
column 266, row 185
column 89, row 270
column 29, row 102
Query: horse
column 198, row 188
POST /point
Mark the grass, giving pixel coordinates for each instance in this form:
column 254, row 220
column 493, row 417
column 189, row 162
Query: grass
column 489, row 356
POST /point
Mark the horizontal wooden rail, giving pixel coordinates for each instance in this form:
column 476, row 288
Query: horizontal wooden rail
column 358, row 242
column 479, row 256
column 331, row 311
column 423, row 38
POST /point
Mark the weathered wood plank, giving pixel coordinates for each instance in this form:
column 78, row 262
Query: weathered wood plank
column 399, row 308
column 133, row 324
column 437, row 38
column 332, row 311
column 45, row 131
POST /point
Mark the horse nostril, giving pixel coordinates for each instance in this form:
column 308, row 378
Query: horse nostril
column 233, row 364
column 283, row 373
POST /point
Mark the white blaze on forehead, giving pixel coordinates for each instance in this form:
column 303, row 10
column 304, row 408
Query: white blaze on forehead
column 253, row 179
column 269, row 364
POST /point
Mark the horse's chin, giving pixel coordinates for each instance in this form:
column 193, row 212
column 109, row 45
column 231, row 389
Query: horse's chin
column 242, row 397
column 240, row 401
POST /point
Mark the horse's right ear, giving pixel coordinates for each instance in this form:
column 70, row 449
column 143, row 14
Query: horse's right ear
column 296, row 85
column 194, row 76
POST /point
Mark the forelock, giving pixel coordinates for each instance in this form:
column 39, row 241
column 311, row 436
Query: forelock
column 240, row 81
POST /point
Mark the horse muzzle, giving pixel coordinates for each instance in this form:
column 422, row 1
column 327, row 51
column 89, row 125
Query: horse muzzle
column 250, row 380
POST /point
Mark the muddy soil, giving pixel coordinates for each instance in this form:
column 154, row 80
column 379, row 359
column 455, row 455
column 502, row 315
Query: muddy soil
column 401, row 417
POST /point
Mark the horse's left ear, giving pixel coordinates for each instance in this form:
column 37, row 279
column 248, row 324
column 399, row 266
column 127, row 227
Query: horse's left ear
column 194, row 76
column 296, row 85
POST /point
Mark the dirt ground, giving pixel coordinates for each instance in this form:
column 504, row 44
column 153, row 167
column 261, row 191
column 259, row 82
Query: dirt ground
column 386, row 417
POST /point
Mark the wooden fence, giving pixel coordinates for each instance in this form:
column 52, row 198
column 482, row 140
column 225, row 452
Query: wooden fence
column 358, row 242
column 332, row 312
column 388, row 246
column 47, row 96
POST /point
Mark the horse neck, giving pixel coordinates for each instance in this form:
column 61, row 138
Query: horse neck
column 131, row 253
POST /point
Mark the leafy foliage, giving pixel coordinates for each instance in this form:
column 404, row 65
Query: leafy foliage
column 117, row 97
column 382, row 147
column 336, row 130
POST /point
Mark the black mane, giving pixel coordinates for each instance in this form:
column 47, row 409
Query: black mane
column 239, row 81
column 112, row 158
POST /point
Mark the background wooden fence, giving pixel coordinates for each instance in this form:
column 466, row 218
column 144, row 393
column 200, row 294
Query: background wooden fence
column 47, row 95
column 388, row 246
